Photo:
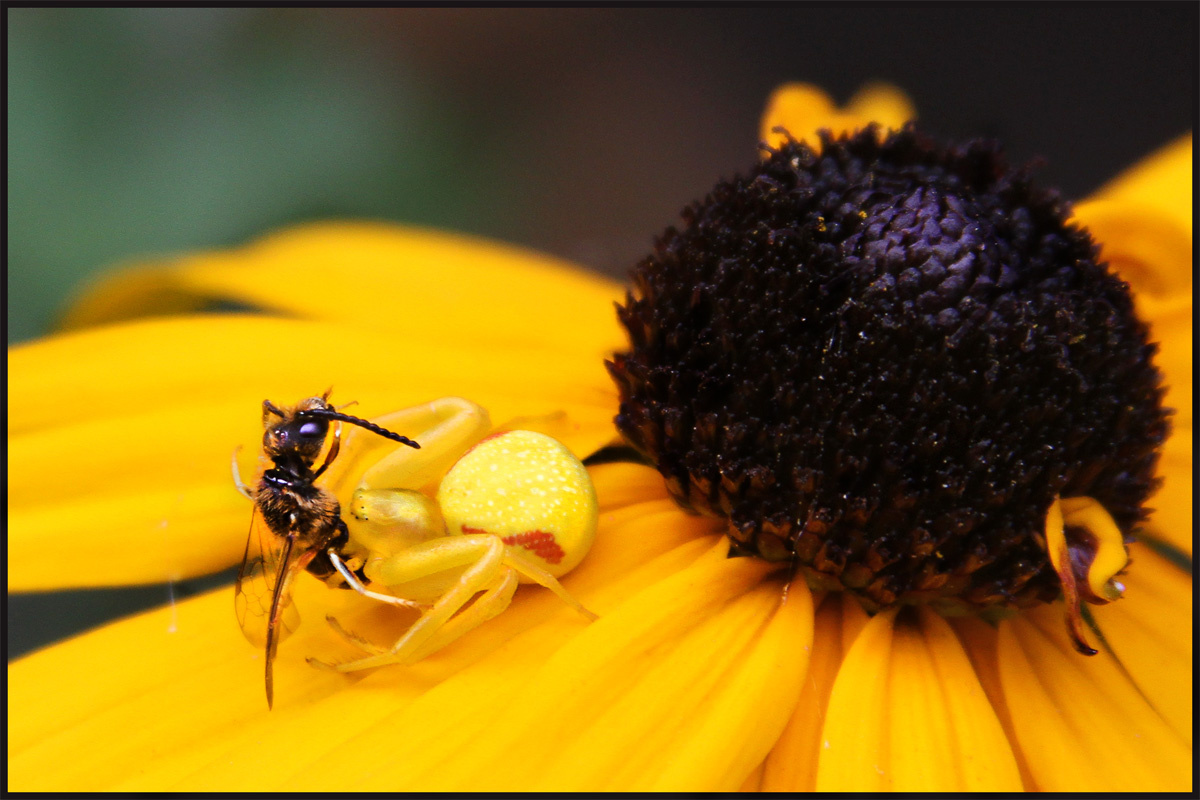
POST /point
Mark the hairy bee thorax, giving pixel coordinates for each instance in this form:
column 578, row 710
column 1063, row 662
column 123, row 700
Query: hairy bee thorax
column 309, row 511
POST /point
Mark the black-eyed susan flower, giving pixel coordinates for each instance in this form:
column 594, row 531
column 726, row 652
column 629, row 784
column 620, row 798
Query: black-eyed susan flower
column 704, row 672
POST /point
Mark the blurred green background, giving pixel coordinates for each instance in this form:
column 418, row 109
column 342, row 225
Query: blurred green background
column 582, row 132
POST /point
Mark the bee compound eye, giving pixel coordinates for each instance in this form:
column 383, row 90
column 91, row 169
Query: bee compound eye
column 312, row 430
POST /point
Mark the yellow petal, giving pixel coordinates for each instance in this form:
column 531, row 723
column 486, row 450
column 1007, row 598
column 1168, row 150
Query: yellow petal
column 740, row 723
column 854, row 619
column 1110, row 555
column 907, row 713
column 1143, row 222
column 182, row 707
column 753, row 782
column 1150, row 250
column 188, row 361
column 93, row 711
column 980, row 640
column 1080, row 722
column 659, row 711
column 413, row 283
column 1150, row 632
column 883, row 103
column 802, row 109
column 151, row 411
column 792, row 765
column 1172, row 519
column 511, row 735
column 126, row 538
column 1161, row 181
column 1171, row 327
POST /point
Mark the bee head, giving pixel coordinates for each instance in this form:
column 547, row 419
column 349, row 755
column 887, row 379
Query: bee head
column 292, row 432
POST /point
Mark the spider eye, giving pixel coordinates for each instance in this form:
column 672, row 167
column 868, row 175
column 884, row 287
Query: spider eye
column 312, row 430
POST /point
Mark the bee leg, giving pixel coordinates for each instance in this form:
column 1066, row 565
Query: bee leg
column 237, row 475
column 357, row 585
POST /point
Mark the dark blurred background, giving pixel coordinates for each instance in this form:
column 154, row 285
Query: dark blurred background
column 580, row 132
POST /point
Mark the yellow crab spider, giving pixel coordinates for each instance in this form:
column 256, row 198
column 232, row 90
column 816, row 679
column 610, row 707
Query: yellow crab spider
column 511, row 507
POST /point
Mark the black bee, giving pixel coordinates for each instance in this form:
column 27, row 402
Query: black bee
column 296, row 525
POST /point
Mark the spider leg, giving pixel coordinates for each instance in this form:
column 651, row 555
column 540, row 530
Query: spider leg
column 530, row 570
column 488, row 605
column 354, row 638
column 480, row 575
column 445, row 427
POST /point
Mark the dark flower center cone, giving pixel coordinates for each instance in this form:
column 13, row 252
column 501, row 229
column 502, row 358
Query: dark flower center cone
column 884, row 361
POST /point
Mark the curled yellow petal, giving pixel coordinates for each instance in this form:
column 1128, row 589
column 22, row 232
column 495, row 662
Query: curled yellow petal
column 1110, row 554
column 1063, row 551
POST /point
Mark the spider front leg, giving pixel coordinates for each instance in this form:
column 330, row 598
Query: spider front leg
column 445, row 428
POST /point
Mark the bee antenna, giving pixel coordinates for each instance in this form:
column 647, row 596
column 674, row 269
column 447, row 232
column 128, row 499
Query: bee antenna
column 330, row 414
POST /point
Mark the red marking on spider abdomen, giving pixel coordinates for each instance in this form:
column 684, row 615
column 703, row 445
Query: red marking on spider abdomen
column 540, row 543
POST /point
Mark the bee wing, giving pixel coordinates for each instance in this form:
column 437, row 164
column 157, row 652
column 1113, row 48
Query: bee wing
column 267, row 569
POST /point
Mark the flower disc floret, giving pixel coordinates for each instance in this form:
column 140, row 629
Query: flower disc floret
column 885, row 359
